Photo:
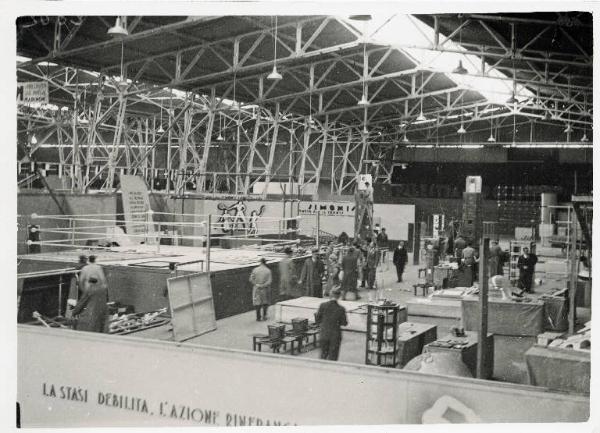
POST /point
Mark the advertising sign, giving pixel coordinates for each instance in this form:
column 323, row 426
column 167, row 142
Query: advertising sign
column 34, row 92
column 135, row 207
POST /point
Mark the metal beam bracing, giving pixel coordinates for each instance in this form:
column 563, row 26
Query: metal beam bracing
column 305, row 124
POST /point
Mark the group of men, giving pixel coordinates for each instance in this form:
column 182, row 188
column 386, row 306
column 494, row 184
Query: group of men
column 358, row 264
column 331, row 316
column 468, row 257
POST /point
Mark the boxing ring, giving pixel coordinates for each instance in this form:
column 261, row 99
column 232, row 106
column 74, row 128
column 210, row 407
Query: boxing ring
column 164, row 245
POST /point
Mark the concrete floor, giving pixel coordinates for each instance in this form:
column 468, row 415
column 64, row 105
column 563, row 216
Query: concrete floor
column 236, row 332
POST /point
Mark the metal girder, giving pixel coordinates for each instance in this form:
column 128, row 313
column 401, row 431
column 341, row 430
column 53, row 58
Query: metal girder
column 508, row 49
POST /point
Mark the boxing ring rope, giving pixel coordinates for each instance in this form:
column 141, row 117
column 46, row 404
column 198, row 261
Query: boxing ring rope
column 84, row 230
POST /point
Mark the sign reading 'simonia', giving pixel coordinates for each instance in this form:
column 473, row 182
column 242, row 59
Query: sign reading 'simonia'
column 327, row 208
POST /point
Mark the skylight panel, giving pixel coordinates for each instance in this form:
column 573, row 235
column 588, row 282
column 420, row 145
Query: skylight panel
column 413, row 37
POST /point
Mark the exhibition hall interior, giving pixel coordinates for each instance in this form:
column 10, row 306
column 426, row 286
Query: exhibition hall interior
column 246, row 220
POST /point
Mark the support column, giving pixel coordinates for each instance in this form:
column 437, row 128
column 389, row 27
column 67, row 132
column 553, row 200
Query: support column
column 482, row 343
column 269, row 168
column 207, row 141
column 252, row 151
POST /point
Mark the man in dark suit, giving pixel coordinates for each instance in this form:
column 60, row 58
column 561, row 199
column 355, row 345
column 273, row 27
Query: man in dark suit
column 526, row 264
column 400, row 258
column 331, row 316
column 350, row 272
column 311, row 277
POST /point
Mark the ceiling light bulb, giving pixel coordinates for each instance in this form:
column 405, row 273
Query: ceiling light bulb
column 491, row 139
column 421, row 117
column 118, row 30
column 220, row 137
column 33, row 139
column 363, row 100
column 461, row 130
column 365, row 131
column 584, row 139
column 405, row 139
column 160, row 129
column 274, row 75
column 568, row 129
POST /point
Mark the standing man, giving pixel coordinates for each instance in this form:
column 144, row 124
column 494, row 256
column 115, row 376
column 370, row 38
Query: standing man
column 526, row 265
column 468, row 259
column 312, row 275
column 362, row 262
column 287, row 276
column 400, row 258
column 91, row 307
column 350, row 271
column 372, row 262
column 459, row 245
column 369, row 192
column 75, row 287
column 331, row 316
column 261, row 279
column 496, row 262
column 383, row 245
column 332, row 272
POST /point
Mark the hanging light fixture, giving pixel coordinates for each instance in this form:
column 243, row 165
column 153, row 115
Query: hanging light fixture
column 365, row 131
column 405, row 138
column 460, row 69
column 33, row 139
column 220, row 137
column 568, row 129
column 421, row 116
column 462, row 129
column 491, row 138
column 363, row 100
column 512, row 99
column 119, row 30
column 160, row 129
column 360, row 17
column 585, row 138
column 274, row 75
column 122, row 84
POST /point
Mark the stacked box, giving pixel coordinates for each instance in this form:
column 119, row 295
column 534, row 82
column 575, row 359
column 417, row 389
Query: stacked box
column 472, row 216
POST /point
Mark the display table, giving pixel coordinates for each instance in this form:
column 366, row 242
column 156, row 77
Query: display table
column 447, row 308
column 412, row 337
column 505, row 317
column 559, row 369
column 467, row 353
column 306, row 306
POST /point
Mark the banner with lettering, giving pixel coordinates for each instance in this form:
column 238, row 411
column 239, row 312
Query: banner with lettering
column 93, row 380
column 136, row 204
column 34, row 92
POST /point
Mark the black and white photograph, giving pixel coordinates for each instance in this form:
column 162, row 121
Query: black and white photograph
column 270, row 214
